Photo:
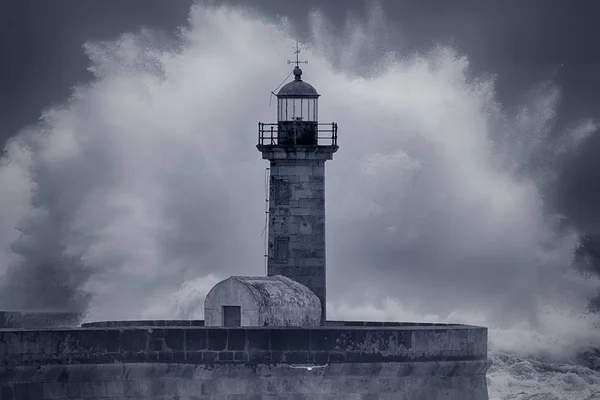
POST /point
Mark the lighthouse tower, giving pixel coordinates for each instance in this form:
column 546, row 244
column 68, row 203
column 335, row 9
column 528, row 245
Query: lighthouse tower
column 297, row 146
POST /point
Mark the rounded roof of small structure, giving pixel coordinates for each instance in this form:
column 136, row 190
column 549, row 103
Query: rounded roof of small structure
column 297, row 87
column 278, row 291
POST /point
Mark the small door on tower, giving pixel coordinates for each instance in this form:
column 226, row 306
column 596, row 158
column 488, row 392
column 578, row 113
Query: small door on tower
column 232, row 316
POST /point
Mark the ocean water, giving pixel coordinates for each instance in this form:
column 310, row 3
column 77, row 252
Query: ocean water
column 511, row 377
column 144, row 189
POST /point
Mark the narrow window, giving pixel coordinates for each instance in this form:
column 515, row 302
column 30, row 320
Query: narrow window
column 281, row 191
column 282, row 249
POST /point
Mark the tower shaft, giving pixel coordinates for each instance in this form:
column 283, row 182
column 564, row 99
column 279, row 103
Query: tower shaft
column 296, row 242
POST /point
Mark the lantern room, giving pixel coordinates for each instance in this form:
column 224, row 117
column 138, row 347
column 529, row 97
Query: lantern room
column 297, row 123
column 297, row 101
column 297, row 112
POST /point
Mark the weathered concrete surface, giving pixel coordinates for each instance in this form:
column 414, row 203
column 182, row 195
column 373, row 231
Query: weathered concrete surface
column 463, row 380
column 363, row 362
column 40, row 319
column 264, row 301
column 197, row 345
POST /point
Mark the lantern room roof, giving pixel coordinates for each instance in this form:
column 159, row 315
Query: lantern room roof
column 297, row 87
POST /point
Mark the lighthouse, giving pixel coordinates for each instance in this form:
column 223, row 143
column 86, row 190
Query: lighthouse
column 297, row 146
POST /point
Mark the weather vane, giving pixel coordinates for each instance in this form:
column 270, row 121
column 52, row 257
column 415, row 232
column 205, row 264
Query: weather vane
column 297, row 52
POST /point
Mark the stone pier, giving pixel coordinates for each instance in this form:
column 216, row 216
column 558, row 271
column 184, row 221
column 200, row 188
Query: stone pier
column 131, row 361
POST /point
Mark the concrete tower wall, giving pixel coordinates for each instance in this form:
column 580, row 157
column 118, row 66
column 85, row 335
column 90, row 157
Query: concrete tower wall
column 297, row 222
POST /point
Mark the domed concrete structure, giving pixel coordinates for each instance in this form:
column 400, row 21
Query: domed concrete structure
column 261, row 301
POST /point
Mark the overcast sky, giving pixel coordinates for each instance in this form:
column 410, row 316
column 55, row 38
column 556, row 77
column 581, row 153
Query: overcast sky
column 467, row 167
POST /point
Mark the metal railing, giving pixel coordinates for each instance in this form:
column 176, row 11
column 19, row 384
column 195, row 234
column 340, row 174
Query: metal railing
column 293, row 134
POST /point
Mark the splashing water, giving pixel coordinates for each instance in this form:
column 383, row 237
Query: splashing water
column 147, row 179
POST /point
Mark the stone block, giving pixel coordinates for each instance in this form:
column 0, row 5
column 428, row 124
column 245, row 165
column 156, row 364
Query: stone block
column 317, row 281
column 236, row 339
column 291, row 228
column 83, row 341
column 137, row 388
column 153, row 356
column 133, row 340
column 195, row 339
column 54, row 390
column 428, row 368
column 225, row 356
column 210, row 357
column 276, row 356
column 318, row 171
column 276, row 229
column 257, row 339
column 358, row 357
column 109, row 372
column 81, row 373
column 111, row 340
column 318, row 195
column 179, row 356
column 31, row 390
column 279, row 214
column 195, row 357
column 134, row 356
column 300, row 194
column 295, row 357
column 73, row 390
column 156, row 345
column 305, row 229
column 216, row 339
column 115, row 388
column 298, row 339
column 165, row 356
column 279, row 155
column 300, row 186
column 319, row 357
column 316, row 182
column 337, row 357
column 315, row 265
column 319, row 292
column 258, row 356
column 278, row 339
column 175, row 339
column 321, row 340
column 298, row 253
column 7, row 391
column 22, row 391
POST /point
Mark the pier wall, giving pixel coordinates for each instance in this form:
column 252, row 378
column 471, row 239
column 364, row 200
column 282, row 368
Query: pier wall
column 190, row 362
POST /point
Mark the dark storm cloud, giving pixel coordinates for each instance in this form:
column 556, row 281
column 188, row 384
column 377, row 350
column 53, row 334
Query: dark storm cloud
column 40, row 42
column 41, row 55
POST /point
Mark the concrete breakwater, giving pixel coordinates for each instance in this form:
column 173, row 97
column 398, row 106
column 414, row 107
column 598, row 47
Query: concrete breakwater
column 147, row 360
